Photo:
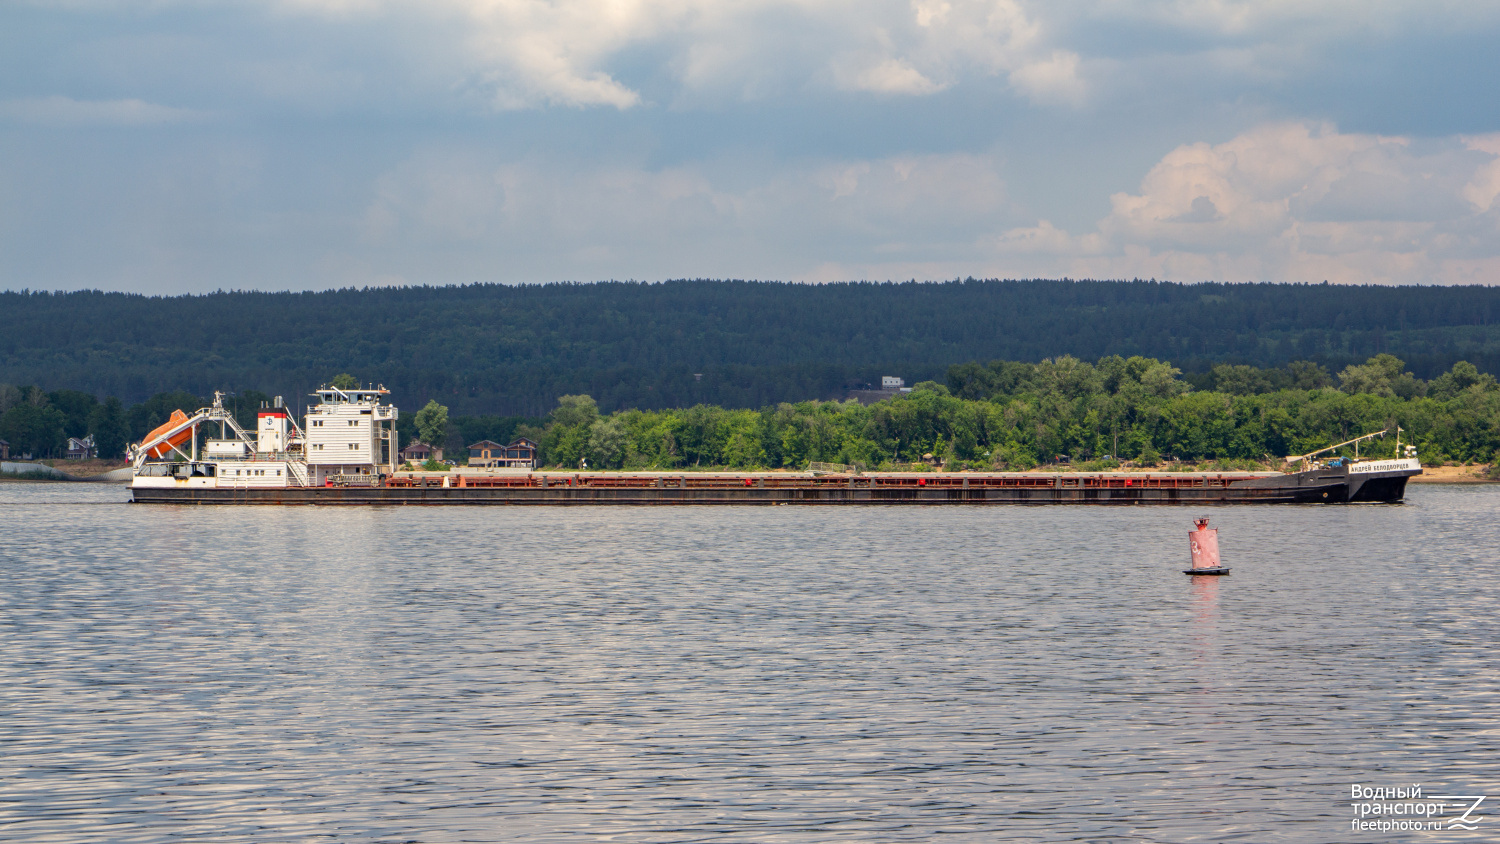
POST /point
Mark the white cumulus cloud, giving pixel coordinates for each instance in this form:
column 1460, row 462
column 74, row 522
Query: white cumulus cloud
column 891, row 76
column 580, row 52
column 1053, row 79
column 1298, row 202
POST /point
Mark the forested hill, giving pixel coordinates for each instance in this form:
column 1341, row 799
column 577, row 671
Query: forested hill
column 503, row 349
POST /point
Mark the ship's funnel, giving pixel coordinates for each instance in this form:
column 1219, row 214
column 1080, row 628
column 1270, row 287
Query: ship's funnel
column 270, row 429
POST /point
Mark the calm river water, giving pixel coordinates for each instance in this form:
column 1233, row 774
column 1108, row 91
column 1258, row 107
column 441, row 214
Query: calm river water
column 738, row 675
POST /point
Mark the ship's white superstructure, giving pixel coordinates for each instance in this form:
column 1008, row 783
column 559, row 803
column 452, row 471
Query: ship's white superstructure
column 350, row 434
column 349, row 437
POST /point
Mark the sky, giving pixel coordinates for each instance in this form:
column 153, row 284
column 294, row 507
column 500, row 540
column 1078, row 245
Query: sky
column 180, row 146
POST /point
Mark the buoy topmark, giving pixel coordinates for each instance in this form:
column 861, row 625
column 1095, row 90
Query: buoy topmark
column 1203, row 545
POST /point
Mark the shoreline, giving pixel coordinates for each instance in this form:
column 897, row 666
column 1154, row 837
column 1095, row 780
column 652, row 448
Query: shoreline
column 1471, row 474
column 94, row 471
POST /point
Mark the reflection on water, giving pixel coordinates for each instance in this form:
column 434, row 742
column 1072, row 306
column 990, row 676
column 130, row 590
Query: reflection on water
column 786, row 674
column 1205, row 602
column 1205, row 591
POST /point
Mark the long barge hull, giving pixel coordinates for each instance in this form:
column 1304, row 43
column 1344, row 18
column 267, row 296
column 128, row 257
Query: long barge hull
column 1320, row 486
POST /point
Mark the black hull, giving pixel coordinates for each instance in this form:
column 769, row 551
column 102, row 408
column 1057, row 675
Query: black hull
column 1329, row 486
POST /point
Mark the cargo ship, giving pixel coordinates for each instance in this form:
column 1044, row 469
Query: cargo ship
column 345, row 453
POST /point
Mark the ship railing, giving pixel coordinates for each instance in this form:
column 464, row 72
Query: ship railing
column 355, row 480
column 829, row 468
column 561, row 480
column 267, row 457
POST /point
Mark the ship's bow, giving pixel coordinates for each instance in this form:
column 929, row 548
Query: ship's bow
column 1381, row 480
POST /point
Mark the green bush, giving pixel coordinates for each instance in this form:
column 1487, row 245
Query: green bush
column 1071, row 412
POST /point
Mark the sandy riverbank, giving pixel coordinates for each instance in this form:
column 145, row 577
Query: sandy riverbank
column 84, row 468
column 1470, row 474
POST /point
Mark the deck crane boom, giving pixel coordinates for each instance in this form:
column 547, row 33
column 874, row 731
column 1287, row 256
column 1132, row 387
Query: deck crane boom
column 170, row 436
column 1310, row 455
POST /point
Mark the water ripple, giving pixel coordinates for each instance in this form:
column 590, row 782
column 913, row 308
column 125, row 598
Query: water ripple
column 735, row 675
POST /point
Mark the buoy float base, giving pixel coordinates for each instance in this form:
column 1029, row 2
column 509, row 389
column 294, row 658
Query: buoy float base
column 1216, row 570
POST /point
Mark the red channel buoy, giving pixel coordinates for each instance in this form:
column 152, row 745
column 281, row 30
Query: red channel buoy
column 1203, row 546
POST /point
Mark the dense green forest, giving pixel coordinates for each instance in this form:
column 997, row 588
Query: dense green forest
column 495, row 349
column 1001, row 414
column 1015, row 415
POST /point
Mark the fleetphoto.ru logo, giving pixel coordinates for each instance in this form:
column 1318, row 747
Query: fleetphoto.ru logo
column 1408, row 809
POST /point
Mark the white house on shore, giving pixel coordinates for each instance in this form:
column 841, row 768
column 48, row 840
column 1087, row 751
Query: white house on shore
column 81, row 449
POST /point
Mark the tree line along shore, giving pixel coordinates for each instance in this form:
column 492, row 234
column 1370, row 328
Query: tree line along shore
column 512, row 350
column 997, row 415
